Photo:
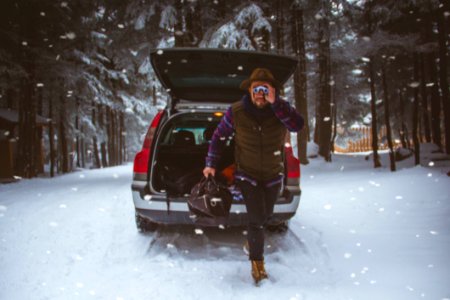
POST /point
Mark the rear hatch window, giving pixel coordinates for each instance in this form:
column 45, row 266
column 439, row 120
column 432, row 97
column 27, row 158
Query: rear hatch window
column 214, row 75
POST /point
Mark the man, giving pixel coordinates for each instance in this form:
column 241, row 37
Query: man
column 259, row 123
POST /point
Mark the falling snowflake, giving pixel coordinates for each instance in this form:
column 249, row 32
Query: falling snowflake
column 121, row 26
column 398, row 197
column 53, row 224
column 432, row 232
column 429, row 174
column 326, row 119
column 414, row 84
column 240, row 68
column 116, row 176
column 198, row 231
column 71, row 35
column 24, row 43
column 347, row 255
column 74, row 189
column 327, row 206
column 170, row 246
column 63, row 206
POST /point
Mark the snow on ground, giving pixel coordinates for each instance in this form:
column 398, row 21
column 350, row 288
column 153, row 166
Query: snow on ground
column 360, row 233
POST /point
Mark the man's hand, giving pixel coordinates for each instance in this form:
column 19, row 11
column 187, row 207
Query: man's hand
column 271, row 96
column 209, row 171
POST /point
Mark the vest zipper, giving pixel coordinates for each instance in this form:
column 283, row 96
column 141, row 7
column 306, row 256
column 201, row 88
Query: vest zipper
column 260, row 151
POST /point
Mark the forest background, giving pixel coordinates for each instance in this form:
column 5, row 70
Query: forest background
column 84, row 67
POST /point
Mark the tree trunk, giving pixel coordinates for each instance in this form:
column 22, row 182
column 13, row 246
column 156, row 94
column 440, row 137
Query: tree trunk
column 435, row 102
column 26, row 147
column 82, row 147
column 194, row 30
column 40, row 152
column 280, row 25
column 403, row 130
column 386, row 119
column 178, row 28
column 300, row 83
column 415, row 116
column 122, row 139
column 333, row 119
column 373, row 108
column 77, row 135
column 110, row 136
column 443, row 74
column 94, row 138
column 62, row 135
column 51, row 136
column 324, row 121
column 96, row 154
column 423, row 94
column 103, row 152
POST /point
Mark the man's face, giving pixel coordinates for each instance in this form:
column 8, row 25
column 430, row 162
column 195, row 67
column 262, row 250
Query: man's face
column 258, row 97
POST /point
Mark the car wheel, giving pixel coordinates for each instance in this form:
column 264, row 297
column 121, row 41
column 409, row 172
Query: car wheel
column 145, row 225
column 281, row 227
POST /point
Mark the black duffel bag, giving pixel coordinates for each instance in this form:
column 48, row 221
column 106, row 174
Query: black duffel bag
column 210, row 202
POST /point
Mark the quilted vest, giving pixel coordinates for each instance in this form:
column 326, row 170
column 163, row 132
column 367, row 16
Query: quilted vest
column 259, row 146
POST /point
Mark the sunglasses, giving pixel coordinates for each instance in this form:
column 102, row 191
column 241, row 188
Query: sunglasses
column 260, row 88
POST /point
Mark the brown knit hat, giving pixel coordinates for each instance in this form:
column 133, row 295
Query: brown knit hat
column 260, row 74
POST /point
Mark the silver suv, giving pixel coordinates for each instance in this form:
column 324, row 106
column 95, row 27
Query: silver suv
column 202, row 83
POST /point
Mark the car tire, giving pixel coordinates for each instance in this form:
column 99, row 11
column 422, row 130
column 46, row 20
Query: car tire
column 281, row 227
column 145, row 225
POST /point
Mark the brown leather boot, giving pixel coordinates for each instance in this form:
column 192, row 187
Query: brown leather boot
column 258, row 270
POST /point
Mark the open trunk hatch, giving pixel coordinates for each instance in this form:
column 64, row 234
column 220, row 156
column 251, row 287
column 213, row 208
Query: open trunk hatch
column 214, row 75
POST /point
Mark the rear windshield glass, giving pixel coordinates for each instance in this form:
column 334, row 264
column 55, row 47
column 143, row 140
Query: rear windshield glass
column 190, row 129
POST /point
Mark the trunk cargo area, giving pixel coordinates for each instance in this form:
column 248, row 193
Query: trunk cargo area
column 181, row 150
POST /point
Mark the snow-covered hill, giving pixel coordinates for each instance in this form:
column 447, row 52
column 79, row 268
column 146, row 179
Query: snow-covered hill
column 359, row 233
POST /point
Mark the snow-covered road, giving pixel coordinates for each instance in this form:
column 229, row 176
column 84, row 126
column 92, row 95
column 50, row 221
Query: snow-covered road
column 359, row 234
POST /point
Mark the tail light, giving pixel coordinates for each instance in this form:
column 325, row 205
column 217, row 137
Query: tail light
column 292, row 163
column 142, row 157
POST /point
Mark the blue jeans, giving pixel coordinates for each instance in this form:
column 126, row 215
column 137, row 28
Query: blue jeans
column 259, row 201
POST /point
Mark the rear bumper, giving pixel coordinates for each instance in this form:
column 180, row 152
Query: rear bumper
column 156, row 209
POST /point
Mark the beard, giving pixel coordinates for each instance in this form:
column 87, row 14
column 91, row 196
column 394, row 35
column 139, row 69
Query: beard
column 259, row 102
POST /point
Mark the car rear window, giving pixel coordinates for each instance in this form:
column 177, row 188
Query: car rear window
column 190, row 130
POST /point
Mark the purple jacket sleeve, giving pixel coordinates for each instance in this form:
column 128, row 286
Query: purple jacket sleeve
column 223, row 131
column 288, row 115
